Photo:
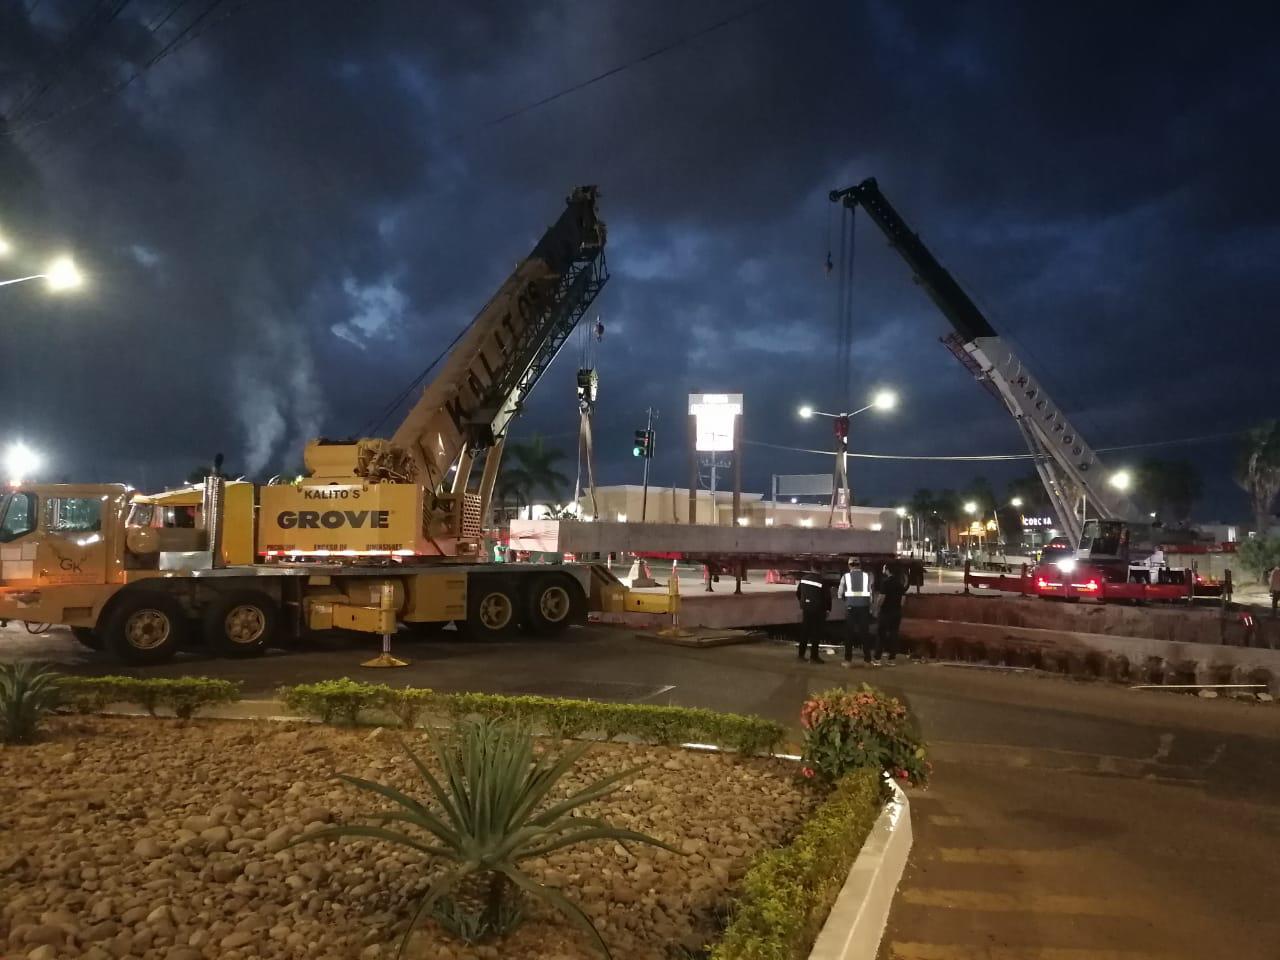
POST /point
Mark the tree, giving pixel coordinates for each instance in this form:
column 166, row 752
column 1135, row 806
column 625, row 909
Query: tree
column 1170, row 488
column 512, row 485
column 537, row 463
column 1029, row 488
column 921, row 506
column 1259, row 555
column 1258, row 471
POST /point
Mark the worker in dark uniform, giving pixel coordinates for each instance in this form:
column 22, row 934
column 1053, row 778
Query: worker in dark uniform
column 815, row 602
column 891, row 589
column 855, row 591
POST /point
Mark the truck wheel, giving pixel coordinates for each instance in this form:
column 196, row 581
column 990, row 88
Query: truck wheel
column 88, row 637
column 552, row 604
column 240, row 624
column 492, row 607
column 146, row 627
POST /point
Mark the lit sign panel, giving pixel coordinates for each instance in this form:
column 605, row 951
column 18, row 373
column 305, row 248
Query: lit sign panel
column 714, row 415
column 1038, row 521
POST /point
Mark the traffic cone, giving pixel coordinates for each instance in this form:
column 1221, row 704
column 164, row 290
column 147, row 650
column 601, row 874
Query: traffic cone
column 640, row 576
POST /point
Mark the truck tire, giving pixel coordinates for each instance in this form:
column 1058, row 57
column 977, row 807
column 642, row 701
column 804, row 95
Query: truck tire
column 240, row 624
column 145, row 627
column 552, row 604
column 88, row 637
column 493, row 607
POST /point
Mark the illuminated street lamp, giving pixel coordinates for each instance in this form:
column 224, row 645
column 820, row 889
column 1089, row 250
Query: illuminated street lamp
column 884, row 400
column 1122, row 480
column 880, row 400
column 20, row 462
column 59, row 276
column 970, row 507
column 1016, row 502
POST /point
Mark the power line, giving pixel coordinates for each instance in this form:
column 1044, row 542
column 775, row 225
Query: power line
column 627, row 65
column 77, row 42
column 888, row 456
column 188, row 34
column 178, row 5
column 1204, row 438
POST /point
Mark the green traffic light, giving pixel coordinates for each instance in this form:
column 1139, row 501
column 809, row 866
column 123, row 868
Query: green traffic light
column 637, row 452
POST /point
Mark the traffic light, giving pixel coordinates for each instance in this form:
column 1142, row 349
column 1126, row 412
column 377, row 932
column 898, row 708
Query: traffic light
column 643, row 445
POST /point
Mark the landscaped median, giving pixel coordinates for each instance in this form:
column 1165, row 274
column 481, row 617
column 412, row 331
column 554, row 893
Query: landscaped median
column 641, row 848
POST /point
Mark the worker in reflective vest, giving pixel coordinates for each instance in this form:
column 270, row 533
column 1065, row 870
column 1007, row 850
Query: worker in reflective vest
column 815, row 601
column 855, row 591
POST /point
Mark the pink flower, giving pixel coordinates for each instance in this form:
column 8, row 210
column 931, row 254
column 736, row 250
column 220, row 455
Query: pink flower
column 808, row 772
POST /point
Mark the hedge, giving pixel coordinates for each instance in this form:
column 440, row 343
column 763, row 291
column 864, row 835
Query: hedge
column 787, row 893
column 185, row 696
column 347, row 700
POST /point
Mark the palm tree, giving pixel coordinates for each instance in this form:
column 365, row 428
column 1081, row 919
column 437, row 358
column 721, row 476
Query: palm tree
column 537, row 463
column 1259, row 471
column 1170, row 487
column 512, row 486
column 921, row 507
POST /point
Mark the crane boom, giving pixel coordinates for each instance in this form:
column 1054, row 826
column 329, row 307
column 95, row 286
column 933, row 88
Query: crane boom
column 485, row 378
column 1069, row 468
column 481, row 383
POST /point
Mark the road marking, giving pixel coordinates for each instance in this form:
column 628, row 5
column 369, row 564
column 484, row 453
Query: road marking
column 942, row 820
column 941, row 951
column 1005, row 858
column 665, row 688
column 1016, row 903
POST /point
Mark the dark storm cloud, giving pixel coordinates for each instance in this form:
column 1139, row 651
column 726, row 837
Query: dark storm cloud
column 292, row 214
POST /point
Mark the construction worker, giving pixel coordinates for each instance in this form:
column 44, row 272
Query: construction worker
column 892, row 590
column 815, row 602
column 855, row 591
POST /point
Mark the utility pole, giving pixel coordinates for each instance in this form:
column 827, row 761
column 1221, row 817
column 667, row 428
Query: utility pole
column 644, row 497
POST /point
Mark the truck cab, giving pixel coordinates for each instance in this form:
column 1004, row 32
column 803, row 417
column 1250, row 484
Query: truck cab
column 69, row 536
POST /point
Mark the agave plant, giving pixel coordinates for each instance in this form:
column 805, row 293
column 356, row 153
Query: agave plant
column 27, row 692
column 488, row 811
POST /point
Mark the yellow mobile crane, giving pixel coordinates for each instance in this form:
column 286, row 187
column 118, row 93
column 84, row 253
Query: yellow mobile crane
column 381, row 530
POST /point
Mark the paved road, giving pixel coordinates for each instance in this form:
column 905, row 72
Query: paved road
column 1067, row 821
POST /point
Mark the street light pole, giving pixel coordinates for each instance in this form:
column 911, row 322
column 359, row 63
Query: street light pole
column 883, row 400
column 62, row 274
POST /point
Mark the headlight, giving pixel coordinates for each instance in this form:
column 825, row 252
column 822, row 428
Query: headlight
column 1067, row 565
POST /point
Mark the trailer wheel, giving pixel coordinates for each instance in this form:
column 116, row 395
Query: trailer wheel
column 146, row 627
column 240, row 624
column 492, row 607
column 88, row 637
column 552, row 604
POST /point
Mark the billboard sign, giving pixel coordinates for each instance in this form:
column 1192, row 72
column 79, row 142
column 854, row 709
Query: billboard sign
column 714, row 415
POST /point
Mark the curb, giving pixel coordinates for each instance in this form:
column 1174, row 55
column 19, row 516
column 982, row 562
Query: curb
column 857, row 920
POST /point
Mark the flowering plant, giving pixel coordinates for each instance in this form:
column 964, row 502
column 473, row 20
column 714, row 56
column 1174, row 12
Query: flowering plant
column 846, row 729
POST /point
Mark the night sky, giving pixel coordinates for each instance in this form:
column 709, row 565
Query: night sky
column 295, row 207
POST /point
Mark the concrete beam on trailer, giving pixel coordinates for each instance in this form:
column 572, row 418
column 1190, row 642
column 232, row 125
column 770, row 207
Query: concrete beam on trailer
column 577, row 537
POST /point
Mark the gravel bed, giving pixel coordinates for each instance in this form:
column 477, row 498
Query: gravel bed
column 151, row 839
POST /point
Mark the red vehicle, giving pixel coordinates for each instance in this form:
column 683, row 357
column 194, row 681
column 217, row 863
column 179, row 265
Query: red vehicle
column 1116, row 561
